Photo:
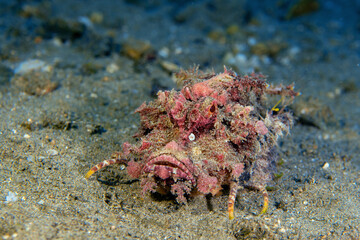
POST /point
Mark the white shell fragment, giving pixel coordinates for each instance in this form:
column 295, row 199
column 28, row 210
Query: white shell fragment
column 326, row 165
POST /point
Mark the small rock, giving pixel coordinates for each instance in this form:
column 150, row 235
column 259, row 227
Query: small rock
column 217, row 36
column 52, row 152
column 232, row 29
column 271, row 49
column 32, row 65
column 178, row 50
column 112, row 67
column 11, row 197
column 164, row 52
column 93, row 95
column 136, row 49
column 326, row 166
column 97, row 17
column 169, row 66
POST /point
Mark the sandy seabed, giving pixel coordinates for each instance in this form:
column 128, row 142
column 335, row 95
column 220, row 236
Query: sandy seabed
column 97, row 61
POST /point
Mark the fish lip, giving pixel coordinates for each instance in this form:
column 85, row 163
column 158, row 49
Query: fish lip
column 169, row 162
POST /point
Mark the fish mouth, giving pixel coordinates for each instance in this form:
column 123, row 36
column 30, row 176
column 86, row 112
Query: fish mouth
column 167, row 166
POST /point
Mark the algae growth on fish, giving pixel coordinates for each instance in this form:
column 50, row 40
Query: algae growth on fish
column 215, row 132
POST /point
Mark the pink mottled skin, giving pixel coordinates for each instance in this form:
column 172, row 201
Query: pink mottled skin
column 261, row 128
column 215, row 132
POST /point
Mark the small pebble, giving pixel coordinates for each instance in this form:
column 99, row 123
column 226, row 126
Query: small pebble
column 178, row 50
column 53, row 152
column 164, row 52
column 112, row 67
column 169, row 66
column 96, row 17
column 233, row 29
column 93, row 95
column 57, row 42
column 11, row 197
column 326, row 165
column 32, row 65
column 135, row 49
